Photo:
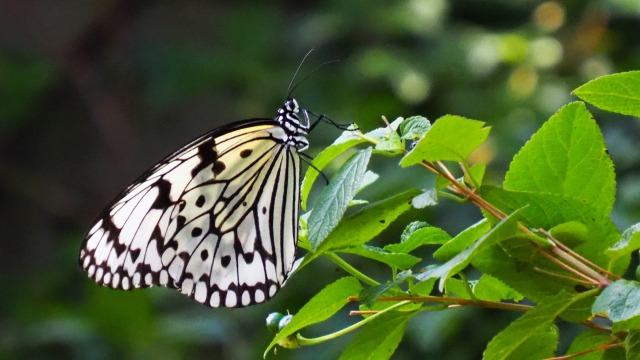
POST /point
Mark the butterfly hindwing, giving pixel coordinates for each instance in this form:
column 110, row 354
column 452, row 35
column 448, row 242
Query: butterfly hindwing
column 216, row 220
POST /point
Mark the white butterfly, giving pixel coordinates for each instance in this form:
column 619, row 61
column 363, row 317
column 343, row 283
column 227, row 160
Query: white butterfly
column 217, row 219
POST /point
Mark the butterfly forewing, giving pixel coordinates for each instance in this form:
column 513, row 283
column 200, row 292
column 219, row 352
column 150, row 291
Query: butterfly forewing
column 218, row 219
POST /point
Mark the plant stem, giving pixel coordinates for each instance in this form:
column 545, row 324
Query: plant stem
column 350, row 269
column 460, row 301
column 602, row 347
column 580, row 266
column 312, row 341
column 567, row 267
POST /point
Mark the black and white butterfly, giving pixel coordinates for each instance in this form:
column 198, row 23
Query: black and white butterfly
column 217, row 219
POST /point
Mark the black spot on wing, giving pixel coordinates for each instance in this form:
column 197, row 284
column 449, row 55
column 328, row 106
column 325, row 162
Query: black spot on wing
column 118, row 247
column 248, row 257
column 200, row 201
column 196, row 231
column 218, row 167
column 163, row 200
column 207, row 155
column 225, row 261
column 245, row 153
column 134, row 254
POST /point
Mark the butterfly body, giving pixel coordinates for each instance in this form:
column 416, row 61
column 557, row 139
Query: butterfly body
column 217, row 219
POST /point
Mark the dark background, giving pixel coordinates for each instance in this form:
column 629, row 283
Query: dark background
column 94, row 92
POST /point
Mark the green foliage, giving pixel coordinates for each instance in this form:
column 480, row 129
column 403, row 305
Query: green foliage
column 546, row 237
column 415, row 127
column 616, row 93
column 629, row 242
column 378, row 339
column 324, row 158
column 619, row 301
column 491, row 289
column 632, row 345
column 567, row 156
column 587, row 340
column 530, row 330
column 451, row 138
column 504, row 230
column 336, row 197
column 326, row 303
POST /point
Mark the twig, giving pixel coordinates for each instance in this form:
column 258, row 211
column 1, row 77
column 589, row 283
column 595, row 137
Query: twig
column 588, row 351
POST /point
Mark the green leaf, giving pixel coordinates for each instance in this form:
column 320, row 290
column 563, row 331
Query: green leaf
column 505, row 229
column 368, row 222
column 321, row 307
column 548, row 210
column 566, row 156
column 413, row 227
column 491, row 289
column 451, row 138
column 335, row 198
column 459, row 288
column 462, row 240
column 589, row 339
column 521, row 275
column 378, row 339
column 619, row 93
column 428, row 197
column 400, row 261
column 370, row 295
column 387, row 140
column 424, row 288
column 392, row 145
column 508, row 344
column 476, row 172
column 382, row 133
column 632, row 345
column 541, row 345
column 369, row 178
column 572, row 233
column 620, row 301
column 414, row 127
column 629, row 242
column 420, row 237
column 347, row 140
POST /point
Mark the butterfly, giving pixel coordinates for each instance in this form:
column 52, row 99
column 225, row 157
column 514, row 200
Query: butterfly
column 216, row 220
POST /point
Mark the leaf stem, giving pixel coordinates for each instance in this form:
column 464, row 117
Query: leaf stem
column 561, row 276
column 578, row 256
column 577, row 263
column 350, row 269
column 366, row 138
column 567, row 267
column 602, row 347
column 312, row 341
column 460, row 301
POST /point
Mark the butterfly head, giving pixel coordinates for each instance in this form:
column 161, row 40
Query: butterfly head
column 289, row 118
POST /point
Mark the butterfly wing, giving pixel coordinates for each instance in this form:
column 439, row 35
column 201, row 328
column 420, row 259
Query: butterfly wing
column 217, row 220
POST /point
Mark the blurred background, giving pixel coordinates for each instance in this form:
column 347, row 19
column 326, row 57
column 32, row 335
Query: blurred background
column 94, row 92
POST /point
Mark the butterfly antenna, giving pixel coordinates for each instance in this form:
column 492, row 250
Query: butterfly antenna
column 289, row 89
